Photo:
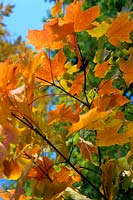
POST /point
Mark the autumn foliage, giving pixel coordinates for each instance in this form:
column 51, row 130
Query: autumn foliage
column 59, row 100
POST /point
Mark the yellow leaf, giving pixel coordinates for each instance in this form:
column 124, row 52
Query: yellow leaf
column 99, row 30
column 12, row 169
column 110, row 136
column 93, row 120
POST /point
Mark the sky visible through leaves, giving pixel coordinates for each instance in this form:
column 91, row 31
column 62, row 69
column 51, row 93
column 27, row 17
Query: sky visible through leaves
column 26, row 15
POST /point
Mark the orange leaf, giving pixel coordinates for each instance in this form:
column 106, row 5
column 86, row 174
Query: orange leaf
column 110, row 136
column 51, row 70
column 82, row 19
column 43, row 167
column 57, row 9
column 105, row 87
column 8, row 76
column 107, row 102
column 68, row 176
column 76, row 87
column 101, row 69
column 64, row 113
column 93, row 120
column 51, row 36
column 87, row 148
column 120, row 29
column 12, row 169
column 127, row 68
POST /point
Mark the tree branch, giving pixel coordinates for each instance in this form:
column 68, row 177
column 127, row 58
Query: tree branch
column 62, row 89
column 35, row 129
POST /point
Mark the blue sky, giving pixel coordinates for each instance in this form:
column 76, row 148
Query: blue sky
column 27, row 14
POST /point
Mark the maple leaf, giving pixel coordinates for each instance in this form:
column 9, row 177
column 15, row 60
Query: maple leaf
column 29, row 64
column 82, row 19
column 5, row 110
column 47, row 182
column 87, row 148
column 107, row 102
column 108, row 174
column 106, row 87
column 93, row 120
column 100, row 69
column 43, row 167
column 111, row 136
column 64, row 113
column 120, row 29
column 76, row 87
column 127, row 68
column 8, row 76
column 51, row 36
column 99, row 30
column 12, row 169
column 51, row 70
column 57, row 8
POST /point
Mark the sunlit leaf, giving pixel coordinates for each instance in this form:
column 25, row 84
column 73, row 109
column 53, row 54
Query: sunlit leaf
column 101, row 69
column 64, row 113
column 82, row 19
column 51, row 70
column 127, row 68
column 8, row 76
column 93, row 119
column 99, row 30
column 120, row 29
column 51, row 36
column 57, row 8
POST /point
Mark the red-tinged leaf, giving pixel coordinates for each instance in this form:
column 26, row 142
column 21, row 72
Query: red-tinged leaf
column 107, row 102
column 43, row 167
column 120, row 29
column 87, row 148
column 82, row 19
column 127, row 68
column 108, row 174
column 106, row 87
column 101, row 69
column 3, row 151
column 64, row 113
column 68, row 176
column 12, row 169
column 52, row 70
column 11, row 134
column 76, row 87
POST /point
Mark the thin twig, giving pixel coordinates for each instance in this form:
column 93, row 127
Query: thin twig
column 60, row 153
column 63, row 90
column 44, row 172
column 98, row 173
